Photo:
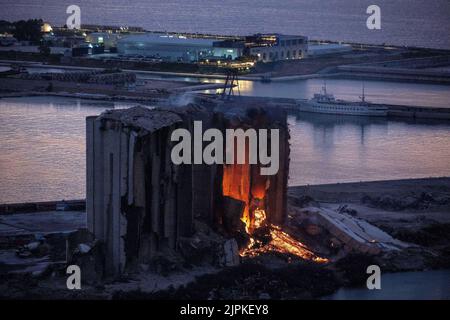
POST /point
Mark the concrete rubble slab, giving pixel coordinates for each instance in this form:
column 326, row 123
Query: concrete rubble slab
column 143, row 118
column 23, row 235
column 357, row 234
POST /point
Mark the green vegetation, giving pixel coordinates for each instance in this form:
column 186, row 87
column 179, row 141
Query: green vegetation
column 23, row 30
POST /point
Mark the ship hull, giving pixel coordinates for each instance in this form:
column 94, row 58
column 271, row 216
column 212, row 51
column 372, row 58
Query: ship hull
column 343, row 109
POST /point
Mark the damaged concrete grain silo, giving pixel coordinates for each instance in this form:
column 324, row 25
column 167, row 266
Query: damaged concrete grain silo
column 140, row 203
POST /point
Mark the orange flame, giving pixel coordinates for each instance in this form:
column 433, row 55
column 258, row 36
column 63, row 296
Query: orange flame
column 240, row 183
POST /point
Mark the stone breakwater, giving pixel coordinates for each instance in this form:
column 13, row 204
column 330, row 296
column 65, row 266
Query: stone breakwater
column 90, row 76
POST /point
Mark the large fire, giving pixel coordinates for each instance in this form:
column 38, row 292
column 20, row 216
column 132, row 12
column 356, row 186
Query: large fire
column 242, row 183
column 280, row 242
column 236, row 184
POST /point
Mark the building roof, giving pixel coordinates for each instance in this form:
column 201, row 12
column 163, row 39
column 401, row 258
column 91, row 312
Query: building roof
column 280, row 35
column 158, row 38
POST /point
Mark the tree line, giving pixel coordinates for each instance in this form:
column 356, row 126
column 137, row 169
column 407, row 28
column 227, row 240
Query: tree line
column 23, row 30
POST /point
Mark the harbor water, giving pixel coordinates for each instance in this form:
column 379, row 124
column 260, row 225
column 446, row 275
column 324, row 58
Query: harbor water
column 42, row 143
column 425, row 285
column 412, row 23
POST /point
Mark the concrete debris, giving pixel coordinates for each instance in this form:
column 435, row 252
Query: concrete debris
column 32, row 246
column 231, row 250
column 78, row 242
column 207, row 247
column 142, row 207
column 113, row 78
column 344, row 208
column 313, row 228
column 264, row 296
column 141, row 118
column 84, row 248
column 166, row 262
column 416, row 202
column 74, row 76
column 353, row 234
column 33, row 249
column 95, row 76
column 91, row 262
column 303, row 201
column 199, row 251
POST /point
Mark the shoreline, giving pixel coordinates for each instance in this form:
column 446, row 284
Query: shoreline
column 372, row 182
column 365, row 61
column 422, row 222
column 49, row 205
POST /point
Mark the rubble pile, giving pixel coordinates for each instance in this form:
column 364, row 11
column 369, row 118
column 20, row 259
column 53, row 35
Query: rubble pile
column 251, row 281
column 92, row 76
column 416, row 202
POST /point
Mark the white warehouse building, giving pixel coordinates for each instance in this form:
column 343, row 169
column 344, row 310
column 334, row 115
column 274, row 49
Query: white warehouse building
column 174, row 48
column 276, row 47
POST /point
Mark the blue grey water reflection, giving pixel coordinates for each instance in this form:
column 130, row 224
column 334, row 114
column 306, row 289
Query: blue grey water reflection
column 42, row 144
column 331, row 149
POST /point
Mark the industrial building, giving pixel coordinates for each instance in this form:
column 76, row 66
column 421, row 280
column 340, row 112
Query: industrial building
column 276, row 47
column 179, row 48
column 176, row 48
column 106, row 39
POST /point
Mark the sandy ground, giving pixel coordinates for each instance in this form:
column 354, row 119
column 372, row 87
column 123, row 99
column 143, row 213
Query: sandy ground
column 415, row 211
column 399, row 203
column 14, row 85
column 41, row 222
column 353, row 191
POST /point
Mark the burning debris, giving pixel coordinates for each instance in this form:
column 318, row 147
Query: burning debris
column 142, row 206
column 281, row 242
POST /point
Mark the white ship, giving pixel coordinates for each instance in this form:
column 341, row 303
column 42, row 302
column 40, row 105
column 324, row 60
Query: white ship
column 324, row 102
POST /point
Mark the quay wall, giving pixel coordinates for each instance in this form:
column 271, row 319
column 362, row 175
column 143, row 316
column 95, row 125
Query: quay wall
column 30, row 207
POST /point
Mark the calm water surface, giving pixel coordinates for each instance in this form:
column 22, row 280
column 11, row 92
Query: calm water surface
column 331, row 149
column 42, row 147
column 412, row 22
column 376, row 91
column 42, row 144
column 415, row 94
column 427, row 285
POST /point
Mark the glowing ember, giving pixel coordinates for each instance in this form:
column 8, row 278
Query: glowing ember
column 283, row 243
column 260, row 217
column 237, row 184
column 246, row 220
column 280, row 241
